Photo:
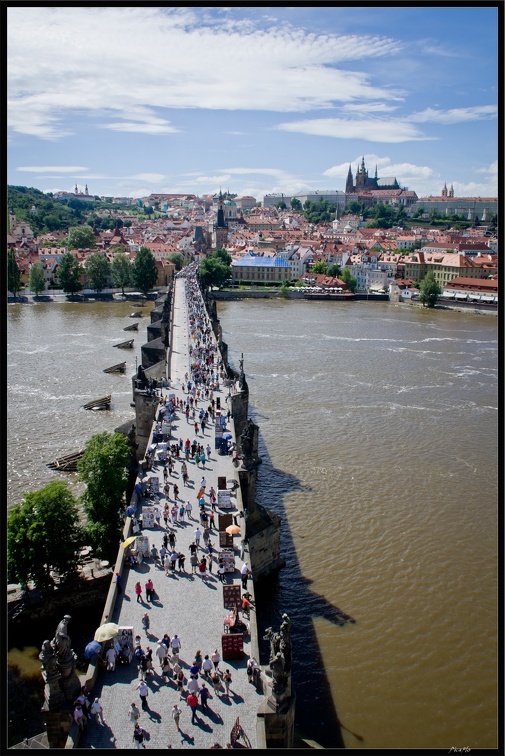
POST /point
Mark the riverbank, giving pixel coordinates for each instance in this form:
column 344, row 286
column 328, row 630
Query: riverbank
column 87, row 296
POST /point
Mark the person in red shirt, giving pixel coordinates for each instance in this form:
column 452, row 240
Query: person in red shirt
column 138, row 591
column 192, row 700
column 246, row 607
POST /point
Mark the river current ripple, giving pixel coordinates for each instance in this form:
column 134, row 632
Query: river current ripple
column 378, row 428
column 378, row 432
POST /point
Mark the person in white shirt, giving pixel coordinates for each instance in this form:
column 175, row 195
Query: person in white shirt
column 111, row 659
column 215, row 659
column 161, row 652
column 193, row 686
column 97, row 710
column 207, row 666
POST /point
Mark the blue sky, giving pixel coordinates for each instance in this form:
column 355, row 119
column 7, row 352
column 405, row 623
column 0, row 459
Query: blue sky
column 133, row 100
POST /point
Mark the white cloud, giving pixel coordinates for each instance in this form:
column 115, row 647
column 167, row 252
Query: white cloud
column 455, row 115
column 491, row 169
column 121, row 59
column 212, row 180
column 149, row 177
column 371, row 129
column 368, row 107
column 52, row 168
column 140, row 128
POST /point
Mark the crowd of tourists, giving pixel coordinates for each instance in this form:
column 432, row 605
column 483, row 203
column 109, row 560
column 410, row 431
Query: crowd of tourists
column 195, row 395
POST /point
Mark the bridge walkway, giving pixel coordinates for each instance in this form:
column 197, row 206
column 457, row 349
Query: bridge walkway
column 185, row 604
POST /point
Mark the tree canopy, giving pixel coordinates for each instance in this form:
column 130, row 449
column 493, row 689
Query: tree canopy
column 144, row 271
column 43, row 213
column 104, row 470
column 334, row 270
column 69, row 273
column 321, row 211
column 429, row 290
column 121, row 271
column 319, row 267
column 215, row 269
column 37, row 279
column 349, row 280
column 13, row 274
column 43, row 536
column 296, row 205
column 81, row 237
column 177, row 259
column 97, row 270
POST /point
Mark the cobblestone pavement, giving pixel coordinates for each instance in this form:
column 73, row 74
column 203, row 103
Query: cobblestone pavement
column 185, row 604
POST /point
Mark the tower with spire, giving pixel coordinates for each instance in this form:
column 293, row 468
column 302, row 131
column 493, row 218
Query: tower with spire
column 366, row 183
column 220, row 229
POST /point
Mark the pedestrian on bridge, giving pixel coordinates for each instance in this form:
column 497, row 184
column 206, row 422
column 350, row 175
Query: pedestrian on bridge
column 176, row 715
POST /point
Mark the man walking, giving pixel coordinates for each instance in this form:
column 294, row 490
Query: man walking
column 204, row 696
column 143, row 693
column 97, row 711
column 192, row 701
column 245, row 574
column 138, row 736
column 176, row 644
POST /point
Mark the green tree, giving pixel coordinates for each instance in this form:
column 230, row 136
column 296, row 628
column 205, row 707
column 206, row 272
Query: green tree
column 43, row 535
column 319, row 267
column 176, row 258
column 69, row 273
column 354, row 207
column 81, row 237
column 334, row 270
column 104, row 470
column 37, row 282
column 222, row 255
column 144, row 271
column 215, row 269
column 53, row 222
column 13, row 274
column 281, row 205
column 429, row 290
column 121, row 271
column 97, row 270
column 349, row 280
column 296, row 205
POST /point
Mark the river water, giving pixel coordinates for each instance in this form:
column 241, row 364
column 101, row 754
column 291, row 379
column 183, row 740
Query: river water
column 378, row 431
column 56, row 354
column 379, row 434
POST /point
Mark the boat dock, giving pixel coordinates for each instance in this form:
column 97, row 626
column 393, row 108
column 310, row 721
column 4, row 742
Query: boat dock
column 184, row 604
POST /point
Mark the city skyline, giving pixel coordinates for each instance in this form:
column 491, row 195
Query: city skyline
column 138, row 100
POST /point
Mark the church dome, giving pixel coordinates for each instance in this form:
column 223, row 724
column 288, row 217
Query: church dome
column 230, row 203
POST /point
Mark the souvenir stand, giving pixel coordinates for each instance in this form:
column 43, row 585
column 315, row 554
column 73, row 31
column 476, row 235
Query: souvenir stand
column 125, row 641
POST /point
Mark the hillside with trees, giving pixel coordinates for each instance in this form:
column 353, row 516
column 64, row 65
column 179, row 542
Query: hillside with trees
column 43, row 213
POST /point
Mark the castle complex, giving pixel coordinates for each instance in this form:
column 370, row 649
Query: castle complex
column 365, row 183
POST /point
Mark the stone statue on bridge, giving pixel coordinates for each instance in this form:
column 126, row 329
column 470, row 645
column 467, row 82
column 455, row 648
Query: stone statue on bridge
column 58, row 669
column 247, row 441
column 280, row 657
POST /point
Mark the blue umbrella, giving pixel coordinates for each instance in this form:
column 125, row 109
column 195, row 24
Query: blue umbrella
column 92, row 649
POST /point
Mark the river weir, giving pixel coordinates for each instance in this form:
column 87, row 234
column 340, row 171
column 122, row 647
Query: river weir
column 378, row 438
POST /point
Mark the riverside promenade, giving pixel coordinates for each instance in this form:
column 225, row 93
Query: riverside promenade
column 185, row 604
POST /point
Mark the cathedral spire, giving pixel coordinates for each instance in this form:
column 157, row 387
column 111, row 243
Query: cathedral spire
column 349, row 186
